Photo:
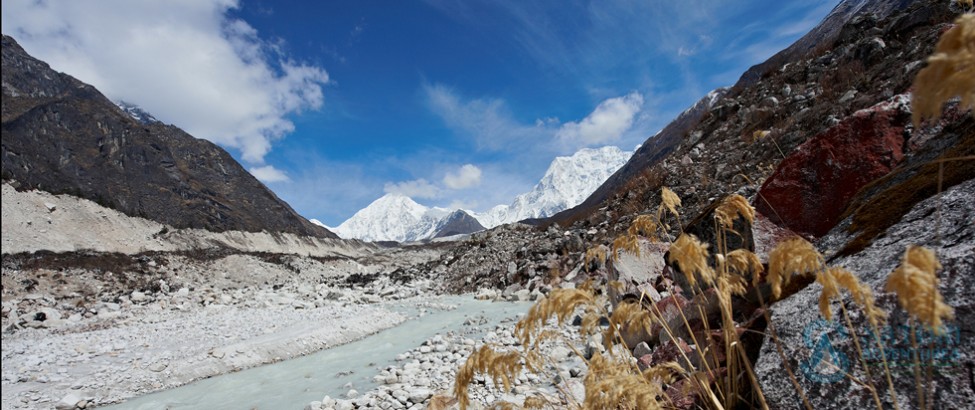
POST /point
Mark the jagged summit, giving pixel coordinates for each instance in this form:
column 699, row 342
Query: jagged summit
column 566, row 183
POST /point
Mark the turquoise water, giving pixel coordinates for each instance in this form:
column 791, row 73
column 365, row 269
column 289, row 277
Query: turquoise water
column 293, row 383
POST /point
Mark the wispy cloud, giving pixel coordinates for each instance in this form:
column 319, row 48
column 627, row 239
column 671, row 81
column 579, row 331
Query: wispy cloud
column 488, row 121
column 417, row 188
column 185, row 61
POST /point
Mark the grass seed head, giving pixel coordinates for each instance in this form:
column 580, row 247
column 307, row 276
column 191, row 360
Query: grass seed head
column 835, row 278
column 916, row 286
column 691, row 257
column 950, row 71
column 792, row 256
column 627, row 243
column 729, row 209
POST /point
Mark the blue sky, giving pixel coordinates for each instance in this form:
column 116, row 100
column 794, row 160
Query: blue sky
column 456, row 103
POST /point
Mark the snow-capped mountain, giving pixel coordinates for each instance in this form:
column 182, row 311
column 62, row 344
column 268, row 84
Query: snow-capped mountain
column 394, row 217
column 567, row 182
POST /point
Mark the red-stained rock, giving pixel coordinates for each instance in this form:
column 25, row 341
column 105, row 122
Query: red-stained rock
column 810, row 189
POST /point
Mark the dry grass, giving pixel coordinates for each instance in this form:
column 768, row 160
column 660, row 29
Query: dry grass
column 502, row 367
column 794, row 256
column 691, row 257
column 950, row 72
column 835, row 278
column 729, row 209
column 916, row 286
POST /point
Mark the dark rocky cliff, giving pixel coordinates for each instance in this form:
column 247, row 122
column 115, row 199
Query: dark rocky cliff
column 63, row 136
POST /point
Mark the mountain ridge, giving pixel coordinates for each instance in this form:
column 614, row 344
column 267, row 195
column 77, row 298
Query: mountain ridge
column 63, row 136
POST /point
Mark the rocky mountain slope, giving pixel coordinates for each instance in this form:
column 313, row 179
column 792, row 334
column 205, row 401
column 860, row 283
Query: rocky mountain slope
column 820, row 141
column 63, row 136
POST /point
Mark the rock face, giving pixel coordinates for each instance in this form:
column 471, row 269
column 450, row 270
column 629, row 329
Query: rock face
column 63, row 136
column 457, row 223
column 811, row 189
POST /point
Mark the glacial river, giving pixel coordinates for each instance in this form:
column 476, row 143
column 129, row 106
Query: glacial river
column 291, row 384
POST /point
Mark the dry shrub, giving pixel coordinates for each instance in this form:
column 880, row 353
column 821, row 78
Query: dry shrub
column 950, row 71
column 792, row 256
column 916, row 286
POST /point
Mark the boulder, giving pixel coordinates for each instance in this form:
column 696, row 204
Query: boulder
column 811, row 188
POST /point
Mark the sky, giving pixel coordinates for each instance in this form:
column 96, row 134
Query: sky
column 460, row 104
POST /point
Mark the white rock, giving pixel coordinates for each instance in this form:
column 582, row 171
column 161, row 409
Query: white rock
column 50, row 207
column 69, row 402
column 420, row 395
column 137, row 296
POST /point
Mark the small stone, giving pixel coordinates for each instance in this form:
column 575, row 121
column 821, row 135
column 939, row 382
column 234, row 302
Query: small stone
column 420, row 395
column 137, row 297
column 69, row 402
column 50, row 207
column 351, row 394
column 641, row 349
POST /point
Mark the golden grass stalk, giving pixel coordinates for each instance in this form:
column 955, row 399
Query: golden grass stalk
column 792, row 256
column 502, row 367
column 645, row 226
column 627, row 243
column 745, row 263
column 950, row 71
column 835, row 278
column 691, row 257
column 626, row 317
column 560, row 303
column 669, row 201
column 916, row 286
column 729, row 209
column 611, row 384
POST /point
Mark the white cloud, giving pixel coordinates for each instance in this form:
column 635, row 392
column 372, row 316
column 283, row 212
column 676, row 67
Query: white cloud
column 605, row 124
column 417, row 188
column 268, row 174
column 465, row 177
column 185, row 61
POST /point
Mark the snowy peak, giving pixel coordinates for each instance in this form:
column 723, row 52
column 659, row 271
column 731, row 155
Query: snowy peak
column 394, row 217
column 567, row 182
column 137, row 113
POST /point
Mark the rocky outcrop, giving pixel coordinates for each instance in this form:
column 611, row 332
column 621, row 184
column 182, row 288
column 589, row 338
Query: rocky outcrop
column 457, row 223
column 63, row 136
column 811, row 189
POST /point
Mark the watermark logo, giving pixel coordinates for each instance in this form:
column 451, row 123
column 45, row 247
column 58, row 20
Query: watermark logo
column 832, row 353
